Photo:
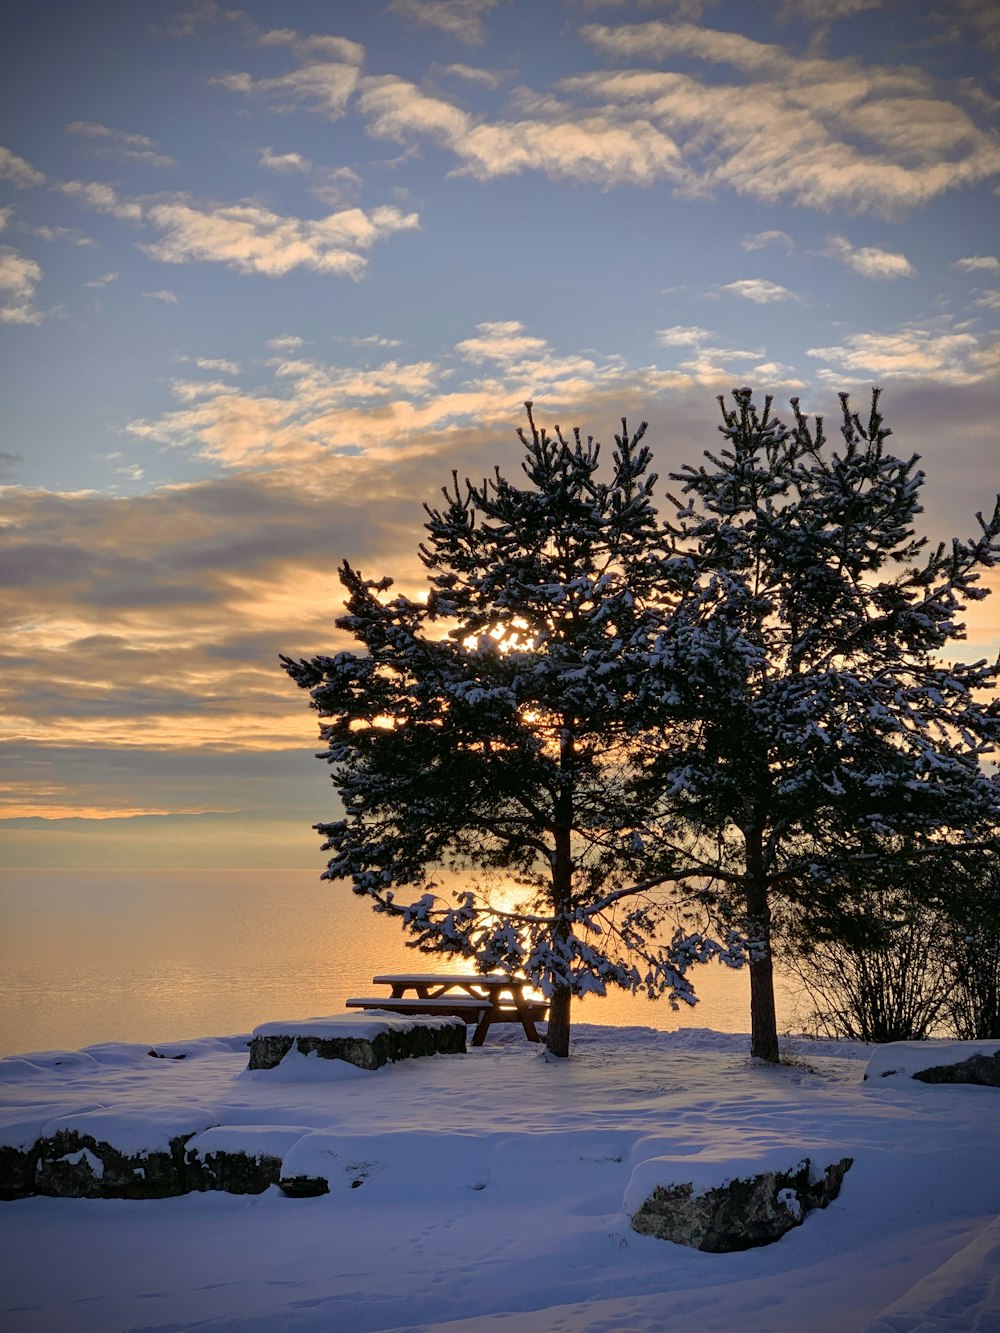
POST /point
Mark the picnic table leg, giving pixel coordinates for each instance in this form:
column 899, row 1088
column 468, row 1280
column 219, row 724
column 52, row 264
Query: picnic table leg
column 482, row 1027
column 530, row 1031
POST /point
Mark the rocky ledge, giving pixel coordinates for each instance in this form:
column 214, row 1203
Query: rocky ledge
column 155, row 1151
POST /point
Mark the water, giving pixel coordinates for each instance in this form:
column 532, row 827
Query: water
column 123, row 955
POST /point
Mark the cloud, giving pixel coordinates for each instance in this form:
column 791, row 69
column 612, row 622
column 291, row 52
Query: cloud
column 822, row 132
column 563, row 143
column 321, row 46
column 21, row 174
column 69, row 234
column 681, row 335
column 168, row 298
column 326, row 460
column 324, row 82
column 103, row 198
column 248, row 237
column 315, row 415
column 486, row 78
column 252, row 239
column 131, row 472
column 970, row 25
column 988, row 300
column 216, row 363
column 19, row 276
column 947, row 356
column 690, row 11
column 103, row 280
column 976, row 263
column 759, row 290
column 185, row 23
column 824, row 12
column 284, row 162
column 316, row 411
column 869, row 261
column 769, row 374
column 762, row 238
column 91, row 130
column 458, row 18
column 717, row 365
column 286, row 342
column 504, row 341
column 374, row 340
column 136, row 147
column 219, row 577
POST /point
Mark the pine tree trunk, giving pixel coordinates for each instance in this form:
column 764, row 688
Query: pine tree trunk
column 557, row 1037
column 763, row 1019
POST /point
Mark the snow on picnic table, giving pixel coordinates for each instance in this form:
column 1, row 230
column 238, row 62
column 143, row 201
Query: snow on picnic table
column 491, row 1194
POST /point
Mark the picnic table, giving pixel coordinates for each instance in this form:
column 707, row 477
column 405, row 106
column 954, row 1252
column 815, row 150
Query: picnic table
column 477, row 998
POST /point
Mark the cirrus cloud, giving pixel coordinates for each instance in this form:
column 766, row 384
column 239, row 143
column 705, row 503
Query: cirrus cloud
column 786, row 125
column 946, row 356
column 253, row 239
column 284, row 162
column 19, row 276
column 324, row 81
column 134, row 147
column 458, row 18
column 759, row 290
column 868, row 260
column 103, row 198
column 21, row 174
column 978, row 263
column 503, row 341
column 820, row 131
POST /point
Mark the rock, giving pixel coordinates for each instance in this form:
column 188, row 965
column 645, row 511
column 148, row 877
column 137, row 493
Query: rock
column 741, row 1213
column 365, row 1041
column 79, row 1166
column 233, row 1172
column 304, row 1187
column 103, row 1154
column 907, row 1060
column 239, row 1159
column 17, row 1172
column 983, row 1070
column 19, row 1137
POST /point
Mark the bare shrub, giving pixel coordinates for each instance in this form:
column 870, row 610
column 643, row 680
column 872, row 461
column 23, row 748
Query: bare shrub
column 887, row 982
column 973, row 963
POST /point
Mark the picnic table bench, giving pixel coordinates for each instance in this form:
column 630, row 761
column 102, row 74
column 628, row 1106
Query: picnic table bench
column 480, row 999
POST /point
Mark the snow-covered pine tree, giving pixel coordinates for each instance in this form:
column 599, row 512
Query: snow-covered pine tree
column 488, row 730
column 806, row 722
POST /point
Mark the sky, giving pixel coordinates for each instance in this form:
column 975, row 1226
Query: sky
column 269, row 273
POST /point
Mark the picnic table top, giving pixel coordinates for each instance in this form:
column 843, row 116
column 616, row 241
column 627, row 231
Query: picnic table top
column 447, row 979
column 442, row 1002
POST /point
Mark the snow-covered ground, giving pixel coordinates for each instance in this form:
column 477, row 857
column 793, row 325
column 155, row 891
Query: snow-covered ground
column 492, row 1187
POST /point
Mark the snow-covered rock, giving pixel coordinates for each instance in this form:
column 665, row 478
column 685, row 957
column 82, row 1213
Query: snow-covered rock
column 239, row 1159
column 133, row 1153
column 366, row 1040
column 721, row 1206
column 916, row 1059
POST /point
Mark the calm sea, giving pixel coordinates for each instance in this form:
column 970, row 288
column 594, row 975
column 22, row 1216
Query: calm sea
column 122, row 955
